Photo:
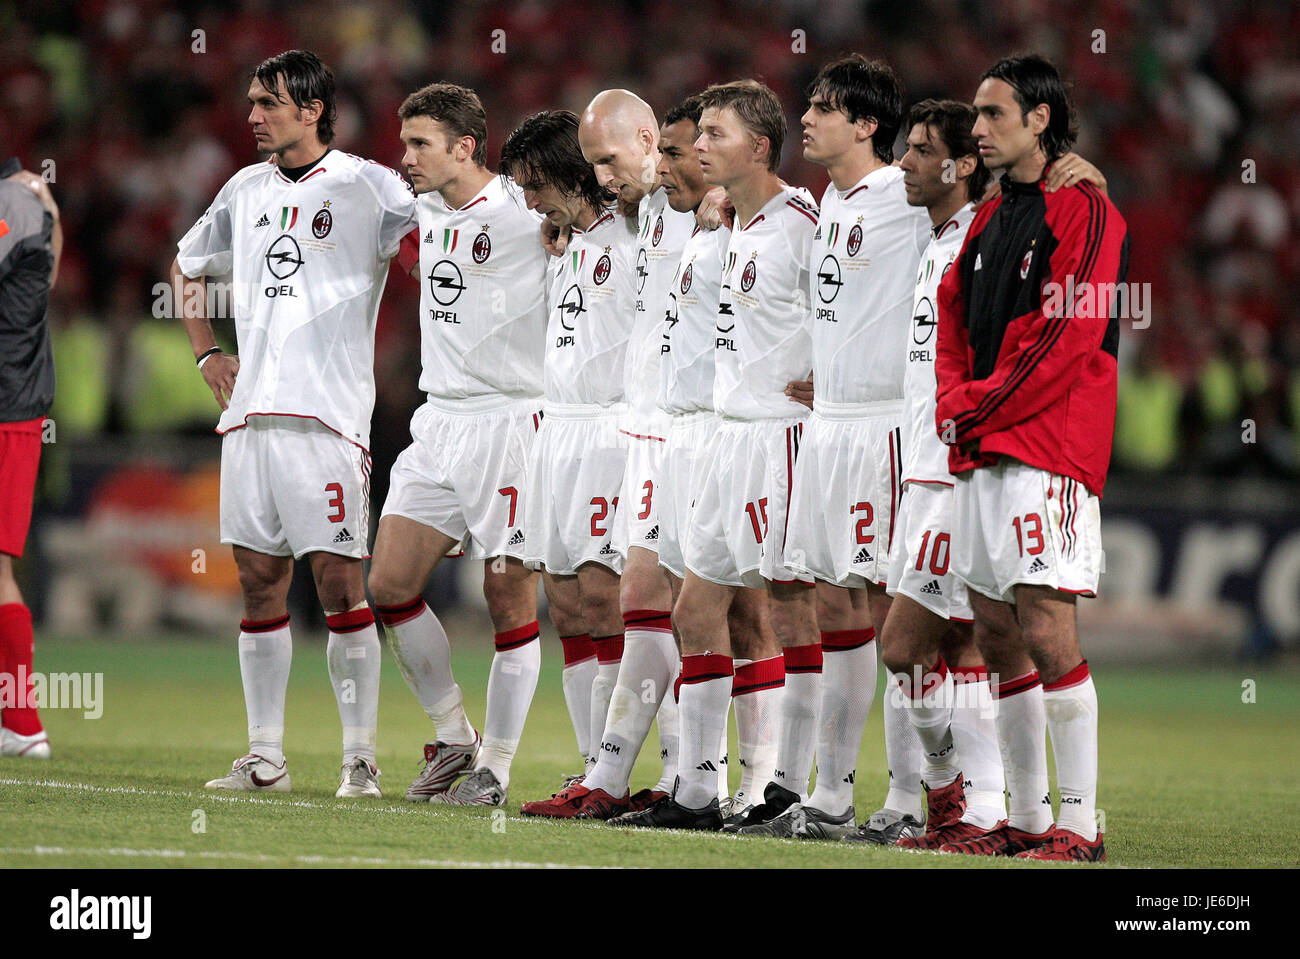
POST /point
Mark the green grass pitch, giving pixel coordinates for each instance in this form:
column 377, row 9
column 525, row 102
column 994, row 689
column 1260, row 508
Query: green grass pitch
column 1191, row 776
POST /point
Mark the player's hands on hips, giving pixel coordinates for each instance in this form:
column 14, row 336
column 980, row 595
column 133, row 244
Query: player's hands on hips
column 1071, row 170
column 219, row 372
column 801, row 391
column 715, row 210
column 555, row 240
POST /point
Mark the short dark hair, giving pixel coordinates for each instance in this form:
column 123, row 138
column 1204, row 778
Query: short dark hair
column 1036, row 80
column 544, row 151
column 954, row 121
column 864, row 89
column 305, row 79
column 759, row 110
column 689, row 109
column 457, row 108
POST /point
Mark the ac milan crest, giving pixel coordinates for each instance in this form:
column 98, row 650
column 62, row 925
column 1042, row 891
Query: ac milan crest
column 601, row 271
column 748, row 276
column 659, row 231
column 854, row 242
column 687, row 275
column 482, row 248
column 322, row 222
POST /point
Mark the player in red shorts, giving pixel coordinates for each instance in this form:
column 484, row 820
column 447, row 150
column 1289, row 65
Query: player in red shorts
column 30, row 242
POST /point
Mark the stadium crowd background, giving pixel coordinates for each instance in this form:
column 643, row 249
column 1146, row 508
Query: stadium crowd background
column 1181, row 104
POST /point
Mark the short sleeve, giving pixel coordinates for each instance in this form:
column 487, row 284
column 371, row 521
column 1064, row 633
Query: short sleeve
column 206, row 250
column 397, row 211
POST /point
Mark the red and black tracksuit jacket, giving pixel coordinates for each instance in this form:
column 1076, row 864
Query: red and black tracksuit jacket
column 1026, row 369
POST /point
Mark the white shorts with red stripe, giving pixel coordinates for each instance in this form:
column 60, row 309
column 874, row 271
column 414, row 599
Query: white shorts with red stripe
column 920, row 563
column 738, row 529
column 686, row 460
column 846, row 489
column 643, row 487
column 575, row 475
column 1014, row 524
column 290, row 485
column 464, row 475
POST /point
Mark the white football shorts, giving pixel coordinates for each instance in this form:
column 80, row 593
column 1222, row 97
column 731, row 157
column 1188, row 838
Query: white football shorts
column 1013, row 524
column 846, row 488
column 643, row 489
column 464, row 475
column 686, row 459
column 575, row 475
column 920, row 563
column 737, row 530
column 290, row 486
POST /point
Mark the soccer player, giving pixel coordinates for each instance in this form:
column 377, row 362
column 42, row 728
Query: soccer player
column 846, row 484
column 31, row 240
column 1026, row 386
column 482, row 335
column 576, row 467
column 737, row 530
column 307, row 238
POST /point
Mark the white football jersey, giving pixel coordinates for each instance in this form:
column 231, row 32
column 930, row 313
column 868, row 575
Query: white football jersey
column 763, row 340
column 690, row 325
column 308, row 260
column 863, row 258
column 482, row 299
column 592, row 309
column 661, row 234
column 925, row 456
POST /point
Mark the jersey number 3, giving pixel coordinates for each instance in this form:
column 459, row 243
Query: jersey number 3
column 336, row 503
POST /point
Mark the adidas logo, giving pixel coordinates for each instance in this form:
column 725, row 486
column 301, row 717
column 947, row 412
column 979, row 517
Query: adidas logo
column 517, row 539
column 932, row 588
column 262, row 222
column 343, row 536
column 1037, row 566
column 653, row 535
column 707, row 766
column 428, row 237
column 607, row 550
column 850, row 777
column 863, row 556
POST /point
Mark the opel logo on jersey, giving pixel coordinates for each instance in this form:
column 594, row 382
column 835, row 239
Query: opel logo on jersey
column 923, row 322
column 724, row 309
column 854, row 242
column 659, row 231
column 687, row 275
column 322, row 222
column 446, row 282
column 482, row 248
column 829, row 279
column 748, row 276
column 284, row 258
column 641, row 271
column 600, row 273
column 571, row 306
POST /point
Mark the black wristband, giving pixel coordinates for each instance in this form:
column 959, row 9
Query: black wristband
column 205, row 355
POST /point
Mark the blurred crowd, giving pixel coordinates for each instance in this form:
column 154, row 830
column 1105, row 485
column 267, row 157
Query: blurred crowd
column 137, row 112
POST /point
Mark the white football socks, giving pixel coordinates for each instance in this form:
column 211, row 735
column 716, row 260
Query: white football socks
column 705, row 696
column 848, row 688
column 929, row 708
column 903, row 754
column 353, row 656
column 670, row 740
column 609, row 654
column 799, row 708
column 1022, row 736
column 756, row 698
column 265, row 652
column 419, row 645
column 511, row 684
column 975, row 736
column 577, row 678
column 1071, row 707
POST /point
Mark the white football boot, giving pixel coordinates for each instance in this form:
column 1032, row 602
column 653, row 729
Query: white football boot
column 253, row 773
column 479, row 788
column 35, row 746
column 359, row 778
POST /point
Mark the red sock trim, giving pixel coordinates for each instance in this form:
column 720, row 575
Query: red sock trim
column 609, row 649
column 677, row 688
column 350, row 622
column 970, row 674
column 758, row 675
column 702, row 667
column 1018, row 685
column 839, row 640
column 514, row 638
column 263, row 625
column 651, row 620
column 930, row 680
column 402, row 612
column 803, row 659
column 577, row 649
column 1073, row 678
